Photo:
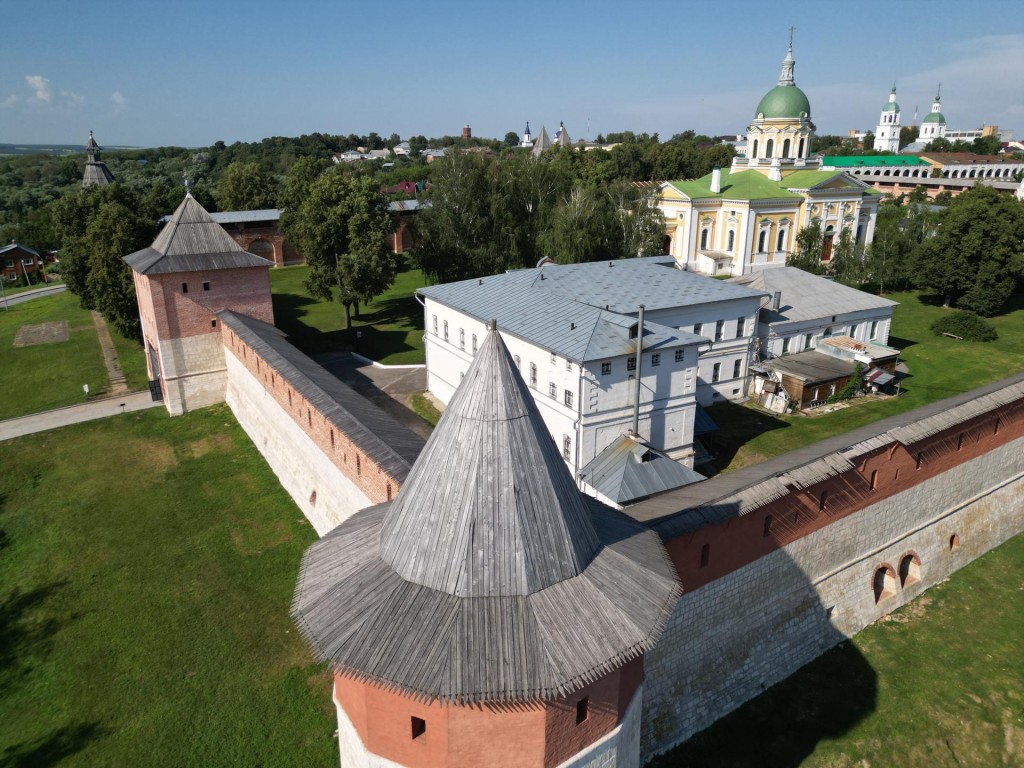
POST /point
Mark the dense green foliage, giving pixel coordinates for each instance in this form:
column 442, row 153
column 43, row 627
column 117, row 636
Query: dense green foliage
column 246, row 187
column 965, row 325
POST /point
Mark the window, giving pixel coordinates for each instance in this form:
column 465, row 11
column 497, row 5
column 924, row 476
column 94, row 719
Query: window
column 554, row 358
column 206, row 285
column 960, row 441
column 703, row 239
column 656, row 359
column 822, row 501
column 762, row 241
column 566, row 447
column 954, row 543
column 716, row 372
column 606, row 368
column 446, row 330
column 567, row 398
column 874, row 479
column 736, row 368
column 732, row 240
column 435, row 325
column 705, row 555
column 474, row 343
column 780, row 241
column 767, row 526
column 739, row 327
column 801, row 150
column 884, row 583
column 874, row 330
column 553, row 390
column 568, row 365
column 582, row 709
column 769, row 148
column 785, row 345
column 679, row 355
column 462, row 338
column 910, row 570
column 853, row 331
column 184, row 287
column 630, row 363
column 785, row 148
column 419, row 727
column 719, row 330
column 533, row 374
column 697, row 328
column 519, row 363
column 807, row 340
column 213, row 323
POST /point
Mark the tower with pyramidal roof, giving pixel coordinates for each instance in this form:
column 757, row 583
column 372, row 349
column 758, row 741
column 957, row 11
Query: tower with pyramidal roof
column 489, row 614
column 193, row 270
column 96, row 172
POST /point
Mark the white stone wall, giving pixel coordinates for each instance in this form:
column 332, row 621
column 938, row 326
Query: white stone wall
column 618, row 749
column 193, row 372
column 730, row 639
column 297, row 461
column 772, row 335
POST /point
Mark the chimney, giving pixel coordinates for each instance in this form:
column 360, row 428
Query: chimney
column 716, row 180
column 776, row 300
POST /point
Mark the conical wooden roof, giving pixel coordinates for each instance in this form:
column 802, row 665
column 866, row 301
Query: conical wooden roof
column 489, row 508
column 192, row 241
column 489, row 577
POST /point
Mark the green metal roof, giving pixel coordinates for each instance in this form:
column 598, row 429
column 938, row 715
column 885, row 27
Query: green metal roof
column 861, row 161
column 784, row 101
column 934, row 117
column 742, row 185
column 891, row 106
column 806, row 179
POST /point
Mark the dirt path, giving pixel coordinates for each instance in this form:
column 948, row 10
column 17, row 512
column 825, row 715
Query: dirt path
column 118, row 383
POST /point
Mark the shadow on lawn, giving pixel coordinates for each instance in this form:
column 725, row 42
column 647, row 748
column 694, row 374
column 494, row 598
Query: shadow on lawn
column 737, row 426
column 51, row 749
column 24, row 634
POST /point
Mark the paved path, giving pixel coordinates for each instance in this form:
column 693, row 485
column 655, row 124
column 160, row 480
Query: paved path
column 74, row 414
column 10, row 300
column 118, row 383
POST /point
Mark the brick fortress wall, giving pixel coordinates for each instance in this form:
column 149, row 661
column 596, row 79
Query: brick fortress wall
column 770, row 590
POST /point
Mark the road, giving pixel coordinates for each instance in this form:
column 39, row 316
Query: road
column 47, row 290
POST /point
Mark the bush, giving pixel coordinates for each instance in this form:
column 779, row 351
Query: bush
column 965, row 325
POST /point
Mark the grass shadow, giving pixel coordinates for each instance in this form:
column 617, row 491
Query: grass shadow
column 737, row 425
column 51, row 749
column 24, row 633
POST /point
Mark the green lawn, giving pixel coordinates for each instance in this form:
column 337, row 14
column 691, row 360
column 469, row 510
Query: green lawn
column 939, row 367
column 45, row 376
column 947, row 688
column 391, row 326
column 146, row 570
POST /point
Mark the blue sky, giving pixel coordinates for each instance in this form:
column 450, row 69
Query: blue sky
column 189, row 73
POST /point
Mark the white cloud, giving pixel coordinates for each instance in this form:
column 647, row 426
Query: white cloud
column 10, row 101
column 72, row 99
column 41, row 86
column 119, row 101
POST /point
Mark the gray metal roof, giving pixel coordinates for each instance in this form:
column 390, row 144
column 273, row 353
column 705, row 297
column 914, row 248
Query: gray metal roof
column 387, row 443
column 562, row 308
column 192, row 242
column 628, row 470
column 808, row 297
column 18, row 247
column 241, row 217
column 489, row 577
column 727, row 496
column 811, row 366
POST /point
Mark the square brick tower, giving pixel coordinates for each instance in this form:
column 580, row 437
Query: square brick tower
column 192, row 271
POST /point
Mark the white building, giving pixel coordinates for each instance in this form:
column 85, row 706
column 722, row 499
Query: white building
column 887, row 134
column 934, row 124
column 572, row 331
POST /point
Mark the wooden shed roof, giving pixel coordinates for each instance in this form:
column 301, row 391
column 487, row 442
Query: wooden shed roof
column 192, row 242
column 489, row 577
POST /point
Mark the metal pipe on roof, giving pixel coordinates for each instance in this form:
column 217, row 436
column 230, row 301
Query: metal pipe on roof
column 639, row 369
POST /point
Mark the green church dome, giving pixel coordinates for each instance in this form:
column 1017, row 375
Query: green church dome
column 891, row 106
column 784, row 101
column 935, row 117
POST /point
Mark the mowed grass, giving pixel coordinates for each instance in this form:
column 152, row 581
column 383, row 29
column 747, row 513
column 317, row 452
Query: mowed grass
column 391, row 325
column 949, row 688
column 146, row 570
column 44, row 376
column 939, row 367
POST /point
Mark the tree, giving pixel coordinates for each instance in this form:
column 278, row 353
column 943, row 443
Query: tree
column 246, row 187
column 511, row 139
column 303, row 174
column 908, row 134
column 976, row 257
column 869, row 141
column 810, row 243
column 641, row 224
column 342, row 228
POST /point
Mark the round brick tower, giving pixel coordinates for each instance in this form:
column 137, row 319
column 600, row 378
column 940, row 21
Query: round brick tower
column 490, row 615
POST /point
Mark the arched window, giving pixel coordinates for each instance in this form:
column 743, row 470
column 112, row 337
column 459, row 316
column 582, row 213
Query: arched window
column 801, row 150
column 785, row 148
column 884, row 583
column 754, row 152
column 780, row 241
column 762, row 241
column 703, row 239
column 732, row 240
column 769, row 147
column 910, row 569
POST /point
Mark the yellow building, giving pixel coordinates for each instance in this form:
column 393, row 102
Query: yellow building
column 747, row 218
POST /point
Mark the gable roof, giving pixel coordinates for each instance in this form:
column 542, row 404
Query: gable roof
column 489, row 577
column 808, row 297
column 628, row 470
column 191, row 242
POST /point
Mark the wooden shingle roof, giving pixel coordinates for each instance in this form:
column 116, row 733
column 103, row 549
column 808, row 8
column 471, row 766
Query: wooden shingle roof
column 192, row 242
column 489, row 577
